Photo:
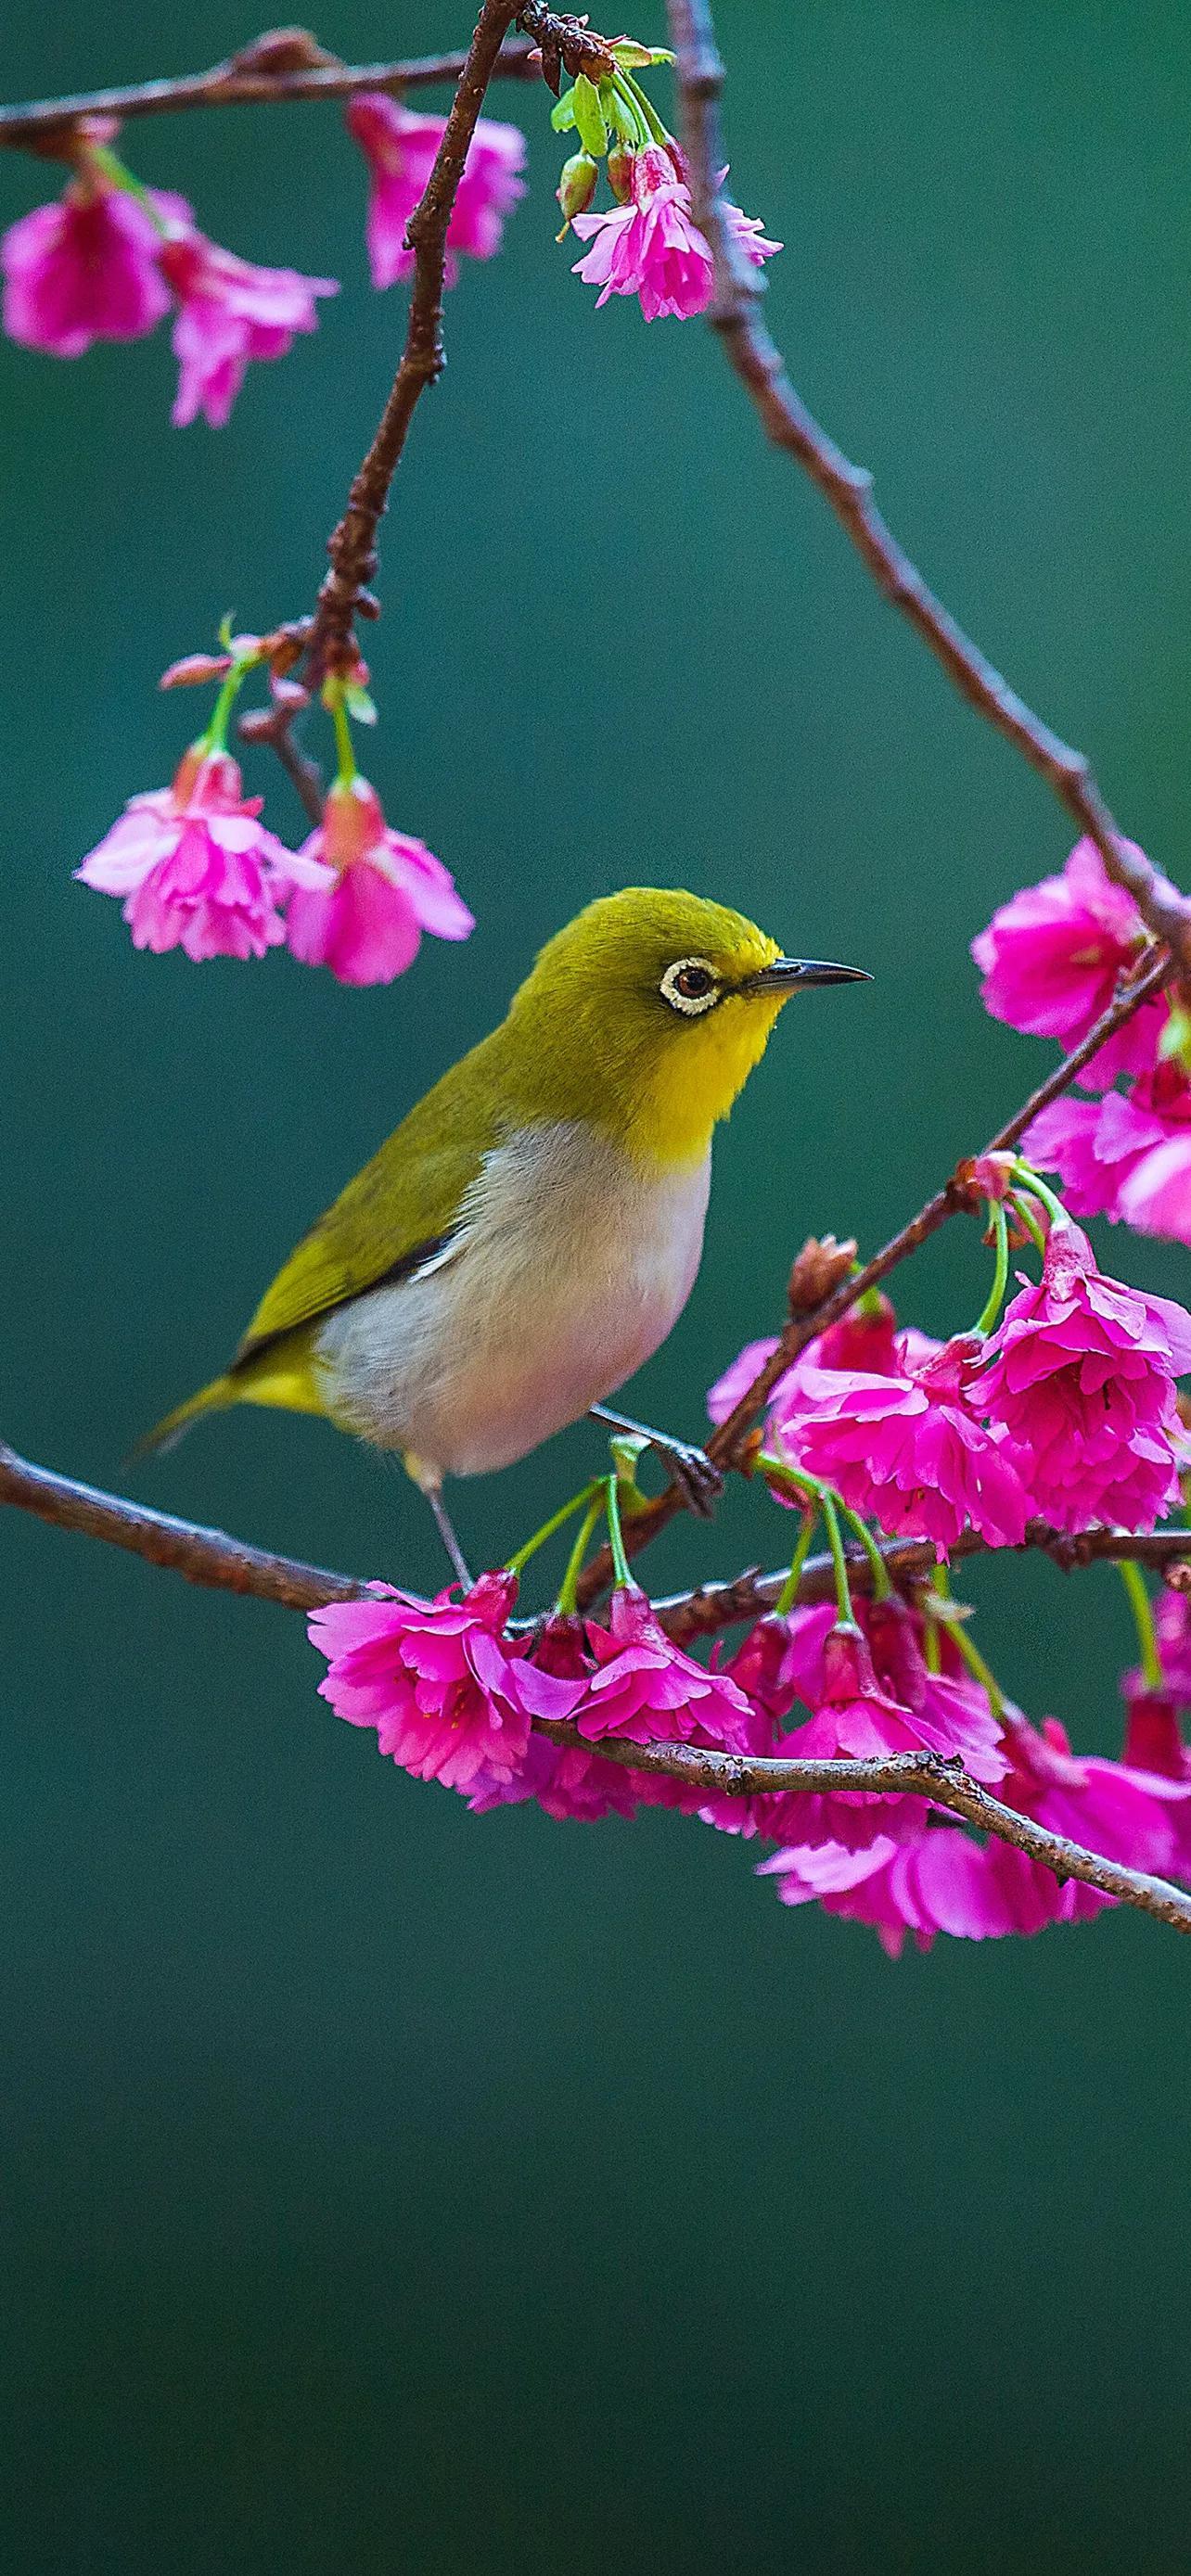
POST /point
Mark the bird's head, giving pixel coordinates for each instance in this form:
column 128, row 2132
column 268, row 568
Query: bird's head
column 648, row 1013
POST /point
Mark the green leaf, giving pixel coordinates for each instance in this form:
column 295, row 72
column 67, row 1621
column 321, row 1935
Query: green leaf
column 618, row 115
column 562, row 114
column 633, row 57
column 589, row 118
column 358, row 702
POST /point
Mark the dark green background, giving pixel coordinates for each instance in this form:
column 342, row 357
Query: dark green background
column 387, row 2190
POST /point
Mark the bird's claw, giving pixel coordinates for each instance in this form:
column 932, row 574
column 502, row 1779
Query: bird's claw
column 698, row 1478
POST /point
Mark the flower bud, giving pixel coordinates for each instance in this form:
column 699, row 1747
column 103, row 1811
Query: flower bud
column 620, row 173
column 576, row 186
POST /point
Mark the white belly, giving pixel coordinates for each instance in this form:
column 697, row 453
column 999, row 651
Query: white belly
column 571, row 1266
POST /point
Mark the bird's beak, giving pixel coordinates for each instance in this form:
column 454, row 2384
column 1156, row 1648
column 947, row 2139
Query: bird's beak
column 787, row 973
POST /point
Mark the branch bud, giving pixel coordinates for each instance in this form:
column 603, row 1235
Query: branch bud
column 821, row 1267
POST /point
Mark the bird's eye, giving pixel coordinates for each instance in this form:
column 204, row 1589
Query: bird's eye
column 690, row 985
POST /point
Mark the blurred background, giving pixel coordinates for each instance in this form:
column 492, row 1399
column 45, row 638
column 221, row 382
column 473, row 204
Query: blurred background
column 386, row 2189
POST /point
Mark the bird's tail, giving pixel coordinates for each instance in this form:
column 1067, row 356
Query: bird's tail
column 210, row 1399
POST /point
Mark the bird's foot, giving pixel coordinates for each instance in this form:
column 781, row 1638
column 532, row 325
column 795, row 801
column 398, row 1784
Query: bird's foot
column 697, row 1477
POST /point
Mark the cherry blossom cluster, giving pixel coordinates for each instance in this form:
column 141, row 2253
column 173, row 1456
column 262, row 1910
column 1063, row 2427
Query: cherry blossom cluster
column 110, row 257
column 1063, row 1408
column 452, row 1697
column 647, row 242
column 1050, row 959
column 197, row 869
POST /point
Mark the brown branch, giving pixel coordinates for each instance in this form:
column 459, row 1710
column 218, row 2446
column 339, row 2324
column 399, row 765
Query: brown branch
column 352, row 544
column 285, row 64
column 954, row 1198
column 204, row 1556
column 274, row 725
column 921, row 1775
column 210, row 1557
column 207, row 1556
column 848, row 490
column 712, row 1607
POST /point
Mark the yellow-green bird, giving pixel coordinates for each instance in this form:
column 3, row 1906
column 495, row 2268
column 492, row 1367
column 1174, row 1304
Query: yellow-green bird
column 532, row 1230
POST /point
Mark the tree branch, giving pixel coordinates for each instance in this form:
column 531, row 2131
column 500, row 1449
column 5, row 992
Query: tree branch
column 954, row 1198
column 209, row 1557
column 204, row 1556
column 352, row 544
column 848, row 489
column 920, row 1775
column 711, row 1607
column 286, row 64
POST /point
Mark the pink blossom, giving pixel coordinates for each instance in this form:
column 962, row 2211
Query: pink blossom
column 1081, row 1379
column 937, row 1881
column 855, row 1714
column 85, row 269
column 867, row 1337
column 385, row 889
column 1172, row 1630
column 910, row 1451
column 1154, row 1748
column 450, row 1698
column 567, row 1782
column 1051, row 958
column 1155, row 1190
column 1096, row 1146
column 231, row 311
column 648, row 1691
column 653, row 248
column 400, row 149
column 196, row 867
column 1114, row 1808
column 931, row 1876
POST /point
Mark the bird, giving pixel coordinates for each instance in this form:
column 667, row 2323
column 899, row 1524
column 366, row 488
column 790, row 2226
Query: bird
column 530, row 1233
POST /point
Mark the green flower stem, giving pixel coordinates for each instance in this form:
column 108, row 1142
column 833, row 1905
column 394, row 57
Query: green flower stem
column 979, row 1670
column 118, row 175
column 631, row 90
column 996, row 1294
column 789, row 1592
column 1022, row 1208
column 557, row 1520
column 814, row 1489
column 215, row 737
column 343, row 738
column 620, row 1562
column 568, row 1590
column 882, row 1587
column 839, row 1562
column 1143, row 1613
column 1041, row 1191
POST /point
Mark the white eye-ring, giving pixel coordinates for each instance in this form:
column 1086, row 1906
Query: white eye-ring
column 691, row 986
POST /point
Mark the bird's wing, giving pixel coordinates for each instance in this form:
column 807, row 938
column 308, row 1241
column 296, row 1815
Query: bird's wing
column 400, row 1212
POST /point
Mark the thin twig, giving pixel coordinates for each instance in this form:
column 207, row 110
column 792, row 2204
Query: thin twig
column 711, row 1607
column 352, row 545
column 921, row 1775
column 848, row 489
column 243, row 81
column 954, row 1198
column 204, row 1556
column 211, row 1558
